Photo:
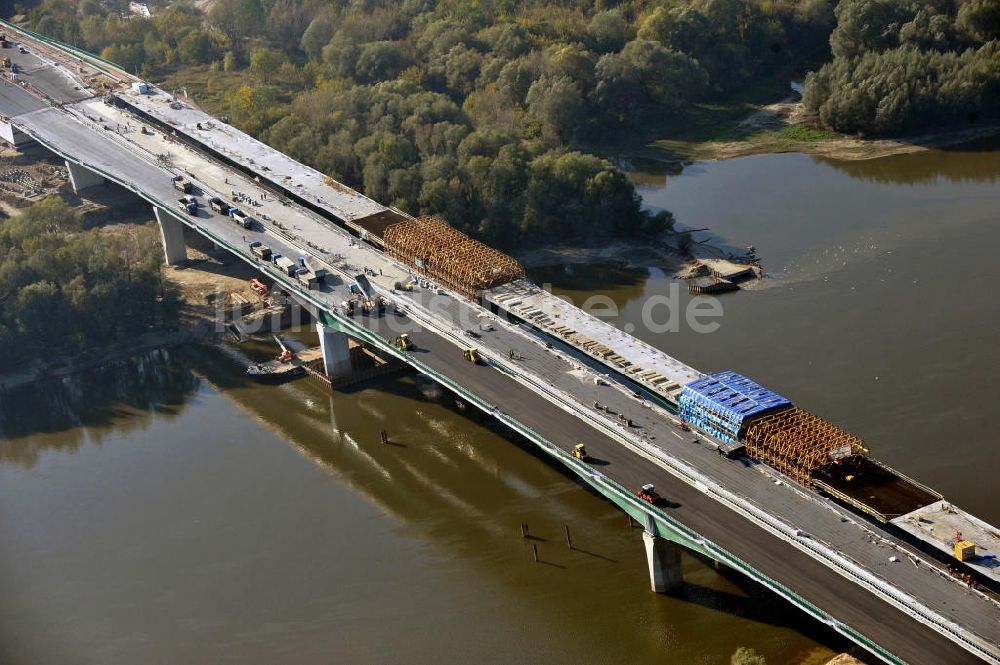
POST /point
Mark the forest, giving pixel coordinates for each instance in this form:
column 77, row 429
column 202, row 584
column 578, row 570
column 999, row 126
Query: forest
column 64, row 288
column 905, row 66
column 478, row 111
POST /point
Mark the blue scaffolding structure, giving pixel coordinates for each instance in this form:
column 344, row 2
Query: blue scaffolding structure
column 722, row 403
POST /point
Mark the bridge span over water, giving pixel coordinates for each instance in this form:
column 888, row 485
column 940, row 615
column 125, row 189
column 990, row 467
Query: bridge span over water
column 552, row 374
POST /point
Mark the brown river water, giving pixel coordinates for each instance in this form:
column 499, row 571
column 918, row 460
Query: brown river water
column 164, row 510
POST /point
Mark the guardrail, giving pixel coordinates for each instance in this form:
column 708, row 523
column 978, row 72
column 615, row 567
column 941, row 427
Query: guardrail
column 67, row 48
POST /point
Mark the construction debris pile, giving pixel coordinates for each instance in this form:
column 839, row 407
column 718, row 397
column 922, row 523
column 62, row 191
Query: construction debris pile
column 449, row 256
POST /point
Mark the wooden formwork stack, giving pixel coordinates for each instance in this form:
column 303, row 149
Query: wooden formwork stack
column 449, row 256
column 797, row 442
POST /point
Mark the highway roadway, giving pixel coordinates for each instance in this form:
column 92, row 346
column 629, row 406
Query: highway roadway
column 132, row 163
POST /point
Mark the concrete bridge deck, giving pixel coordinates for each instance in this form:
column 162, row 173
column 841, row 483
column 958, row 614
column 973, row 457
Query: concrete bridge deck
column 838, row 562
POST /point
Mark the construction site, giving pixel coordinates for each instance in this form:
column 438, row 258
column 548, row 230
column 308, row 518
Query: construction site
column 547, row 369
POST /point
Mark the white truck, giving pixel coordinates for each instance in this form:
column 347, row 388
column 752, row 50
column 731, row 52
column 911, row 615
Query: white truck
column 241, row 218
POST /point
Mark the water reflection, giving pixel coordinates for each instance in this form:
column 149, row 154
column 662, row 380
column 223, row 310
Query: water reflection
column 978, row 161
column 126, row 394
column 225, row 504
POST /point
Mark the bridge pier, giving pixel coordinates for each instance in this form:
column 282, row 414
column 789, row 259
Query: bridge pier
column 81, row 177
column 336, row 351
column 664, row 559
column 12, row 135
column 172, row 233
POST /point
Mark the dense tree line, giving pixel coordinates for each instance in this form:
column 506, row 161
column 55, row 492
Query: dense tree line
column 906, row 66
column 63, row 288
column 474, row 110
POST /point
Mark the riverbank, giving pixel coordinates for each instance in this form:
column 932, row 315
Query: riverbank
column 786, row 126
column 207, row 284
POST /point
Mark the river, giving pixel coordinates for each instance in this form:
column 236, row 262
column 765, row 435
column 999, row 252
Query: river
column 164, row 510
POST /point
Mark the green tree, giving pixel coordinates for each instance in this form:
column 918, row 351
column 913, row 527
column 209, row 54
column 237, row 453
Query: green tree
column 980, row 19
column 557, row 105
column 198, row 47
column 379, row 61
column 608, row 31
column 265, row 63
column 237, row 20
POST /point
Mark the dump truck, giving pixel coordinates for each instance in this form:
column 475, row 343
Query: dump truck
column 182, row 184
column 241, row 218
column 286, row 265
column 321, row 273
column 260, row 250
column 580, row 452
column 307, row 279
column 188, row 204
column 403, row 342
column 219, row 206
column 472, row 355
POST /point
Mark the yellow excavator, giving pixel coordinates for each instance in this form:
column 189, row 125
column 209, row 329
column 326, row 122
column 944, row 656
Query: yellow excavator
column 472, row 355
column 580, row 452
column 403, row 342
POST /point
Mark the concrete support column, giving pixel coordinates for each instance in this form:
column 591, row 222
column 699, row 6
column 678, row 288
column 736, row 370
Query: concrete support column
column 172, row 233
column 336, row 351
column 664, row 559
column 81, row 177
column 12, row 135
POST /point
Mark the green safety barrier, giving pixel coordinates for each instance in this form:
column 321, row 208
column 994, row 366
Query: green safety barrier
column 62, row 46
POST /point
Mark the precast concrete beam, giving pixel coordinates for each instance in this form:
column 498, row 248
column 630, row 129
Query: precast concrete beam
column 336, row 351
column 81, row 177
column 664, row 559
column 172, row 234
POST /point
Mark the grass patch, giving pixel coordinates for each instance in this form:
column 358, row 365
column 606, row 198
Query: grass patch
column 803, row 134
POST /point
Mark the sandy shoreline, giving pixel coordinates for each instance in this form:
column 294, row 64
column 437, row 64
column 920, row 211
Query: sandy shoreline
column 786, row 126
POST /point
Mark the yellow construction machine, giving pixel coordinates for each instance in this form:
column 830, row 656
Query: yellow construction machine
column 580, row 452
column 472, row 355
column 403, row 342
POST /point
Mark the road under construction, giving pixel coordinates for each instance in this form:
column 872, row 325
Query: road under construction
column 753, row 481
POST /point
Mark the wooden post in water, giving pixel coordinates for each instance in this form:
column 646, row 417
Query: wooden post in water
column 534, row 552
column 385, row 437
column 569, row 541
column 524, row 530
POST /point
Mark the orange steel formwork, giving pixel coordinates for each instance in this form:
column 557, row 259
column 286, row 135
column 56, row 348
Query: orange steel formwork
column 796, row 442
column 449, row 256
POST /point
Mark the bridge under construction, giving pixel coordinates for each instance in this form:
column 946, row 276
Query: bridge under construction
column 755, row 482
